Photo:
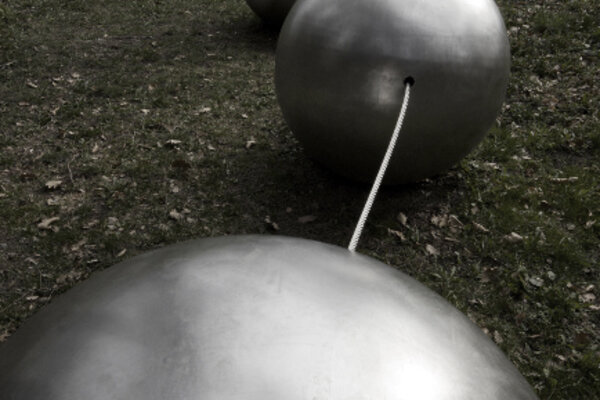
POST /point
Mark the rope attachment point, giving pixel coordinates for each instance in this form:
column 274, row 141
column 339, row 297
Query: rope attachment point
column 408, row 82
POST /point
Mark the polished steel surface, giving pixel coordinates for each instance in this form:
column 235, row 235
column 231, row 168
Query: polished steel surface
column 253, row 317
column 271, row 11
column 340, row 72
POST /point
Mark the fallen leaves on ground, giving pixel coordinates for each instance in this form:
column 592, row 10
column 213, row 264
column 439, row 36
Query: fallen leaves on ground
column 307, row 219
column 53, row 184
column 402, row 219
column 513, row 237
column 432, row 250
column 175, row 215
column 480, row 228
column 397, row 234
column 271, row 224
column 46, row 223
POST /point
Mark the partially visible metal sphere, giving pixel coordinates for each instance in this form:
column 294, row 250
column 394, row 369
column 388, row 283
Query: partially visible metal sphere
column 271, row 11
column 340, row 72
column 255, row 318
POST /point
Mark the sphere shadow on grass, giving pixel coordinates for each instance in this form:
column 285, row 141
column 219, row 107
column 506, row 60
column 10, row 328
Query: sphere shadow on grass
column 250, row 31
column 272, row 177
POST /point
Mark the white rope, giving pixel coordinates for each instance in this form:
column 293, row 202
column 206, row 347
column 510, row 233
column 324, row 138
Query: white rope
column 384, row 164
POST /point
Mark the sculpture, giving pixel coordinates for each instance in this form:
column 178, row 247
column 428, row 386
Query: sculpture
column 341, row 67
column 253, row 317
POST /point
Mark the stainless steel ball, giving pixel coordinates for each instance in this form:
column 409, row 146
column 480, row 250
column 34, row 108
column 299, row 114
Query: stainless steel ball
column 253, row 317
column 340, row 72
column 271, row 11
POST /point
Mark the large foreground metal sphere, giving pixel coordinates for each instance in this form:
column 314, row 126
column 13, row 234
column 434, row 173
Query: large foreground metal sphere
column 340, row 72
column 271, row 11
column 254, row 318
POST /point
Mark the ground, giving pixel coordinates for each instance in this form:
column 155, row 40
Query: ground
column 129, row 125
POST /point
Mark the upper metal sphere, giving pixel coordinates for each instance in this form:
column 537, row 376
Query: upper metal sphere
column 340, row 72
column 255, row 318
column 271, row 11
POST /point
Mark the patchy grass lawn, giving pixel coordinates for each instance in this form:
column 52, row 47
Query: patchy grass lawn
column 128, row 125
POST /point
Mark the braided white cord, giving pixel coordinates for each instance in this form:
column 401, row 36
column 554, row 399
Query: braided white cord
column 384, row 164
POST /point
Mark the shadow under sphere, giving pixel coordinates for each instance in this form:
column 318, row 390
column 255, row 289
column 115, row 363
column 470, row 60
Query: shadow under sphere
column 272, row 12
column 340, row 72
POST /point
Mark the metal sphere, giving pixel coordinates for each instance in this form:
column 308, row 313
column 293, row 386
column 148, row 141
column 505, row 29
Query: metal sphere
column 253, row 317
column 340, row 72
column 272, row 12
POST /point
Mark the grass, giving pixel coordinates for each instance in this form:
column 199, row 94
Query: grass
column 142, row 108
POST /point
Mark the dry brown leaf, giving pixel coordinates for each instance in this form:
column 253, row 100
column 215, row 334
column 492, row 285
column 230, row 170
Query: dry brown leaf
column 480, row 228
column 175, row 215
column 47, row 222
column 536, row 281
column 172, row 143
column 70, row 276
column 53, row 184
column 476, row 302
column 77, row 246
column 398, row 234
column 589, row 224
column 402, row 218
column 587, row 298
column 250, row 142
column 271, row 224
column 589, row 288
column 454, row 224
column 498, row 338
column 306, row 219
column 563, row 180
column 513, row 237
column 491, row 165
column 454, row 221
column 113, row 223
column 439, row 220
column 432, row 250
column 91, row 224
